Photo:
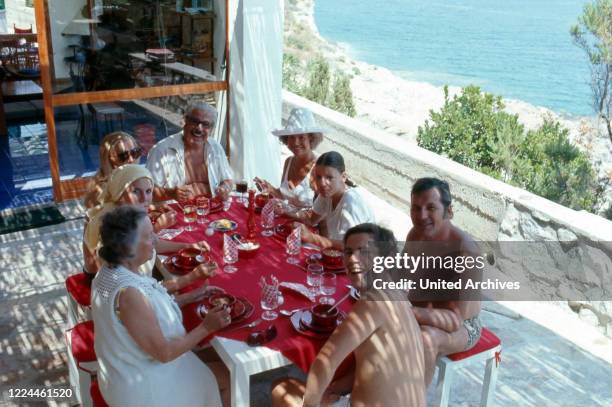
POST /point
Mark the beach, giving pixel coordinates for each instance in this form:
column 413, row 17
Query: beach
column 399, row 106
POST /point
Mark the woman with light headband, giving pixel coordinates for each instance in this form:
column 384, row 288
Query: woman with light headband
column 132, row 184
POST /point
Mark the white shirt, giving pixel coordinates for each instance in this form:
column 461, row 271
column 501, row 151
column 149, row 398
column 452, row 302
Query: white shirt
column 300, row 195
column 166, row 161
column 352, row 210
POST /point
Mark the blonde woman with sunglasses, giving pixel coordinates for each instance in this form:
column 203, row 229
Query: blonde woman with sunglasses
column 116, row 149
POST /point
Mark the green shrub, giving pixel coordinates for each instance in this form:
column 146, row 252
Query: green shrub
column 319, row 78
column 468, row 128
column 342, row 96
column 558, row 170
column 291, row 66
column 473, row 130
column 318, row 85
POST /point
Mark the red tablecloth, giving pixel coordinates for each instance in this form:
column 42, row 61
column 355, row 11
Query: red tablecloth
column 270, row 260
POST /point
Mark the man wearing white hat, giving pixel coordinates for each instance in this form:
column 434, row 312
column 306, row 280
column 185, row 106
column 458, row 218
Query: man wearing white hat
column 301, row 135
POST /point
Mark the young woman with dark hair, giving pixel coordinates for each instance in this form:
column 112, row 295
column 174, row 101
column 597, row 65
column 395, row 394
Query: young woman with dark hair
column 338, row 206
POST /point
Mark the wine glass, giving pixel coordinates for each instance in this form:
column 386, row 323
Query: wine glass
column 202, row 209
column 294, row 246
column 314, row 272
column 242, row 187
column 267, row 219
column 328, row 288
column 190, row 215
column 269, row 302
column 230, row 254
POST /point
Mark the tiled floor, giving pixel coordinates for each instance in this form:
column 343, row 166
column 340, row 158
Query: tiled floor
column 25, row 177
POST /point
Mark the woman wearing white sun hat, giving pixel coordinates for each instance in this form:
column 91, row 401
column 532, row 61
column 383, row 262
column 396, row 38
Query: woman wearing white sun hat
column 301, row 135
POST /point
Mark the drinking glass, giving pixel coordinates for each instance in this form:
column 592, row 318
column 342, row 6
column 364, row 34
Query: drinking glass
column 230, row 254
column 313, row 278
column 189, row 214
column 202, row 209
column 227, row 204
column 294, row 246
column 269, row 302
column 328, row 288
column 267, row 219
column 242, row 187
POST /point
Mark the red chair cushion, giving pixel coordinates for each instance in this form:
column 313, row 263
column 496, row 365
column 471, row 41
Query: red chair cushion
column 82, row 339
column 487, row 341
column 96, row 395
column 79, row 288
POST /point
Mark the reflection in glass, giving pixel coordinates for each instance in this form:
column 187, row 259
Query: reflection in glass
column 117, row 44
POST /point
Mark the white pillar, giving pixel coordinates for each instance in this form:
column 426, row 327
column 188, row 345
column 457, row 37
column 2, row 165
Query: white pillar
column 256, row 57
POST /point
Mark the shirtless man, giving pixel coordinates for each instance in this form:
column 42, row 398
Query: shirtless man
column 380, row 331
column 447, row 326
column 190, row 163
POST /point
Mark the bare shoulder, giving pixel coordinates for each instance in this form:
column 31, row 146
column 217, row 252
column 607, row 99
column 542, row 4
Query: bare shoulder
column 411, row 237
column 286, row 164
column 380, row 304
column 468, row 244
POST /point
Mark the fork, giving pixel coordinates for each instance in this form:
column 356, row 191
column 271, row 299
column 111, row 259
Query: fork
column 249, row 325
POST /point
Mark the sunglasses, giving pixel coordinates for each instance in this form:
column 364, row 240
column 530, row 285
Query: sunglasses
column 135, row 153
column 260, row 337
column 195, row 122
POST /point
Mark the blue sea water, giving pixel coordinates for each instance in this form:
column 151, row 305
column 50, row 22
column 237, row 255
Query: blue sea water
column 520, row 49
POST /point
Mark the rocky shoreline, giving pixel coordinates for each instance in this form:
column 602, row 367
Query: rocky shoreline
column 399, row 106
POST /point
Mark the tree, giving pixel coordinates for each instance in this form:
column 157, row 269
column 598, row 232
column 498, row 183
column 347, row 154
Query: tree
column 290, row 76
column 319, row 77
column 593, row 34
column 318, row 85
column 342, row 96
column 468, row 128
column 556, row 169
column 473, row 130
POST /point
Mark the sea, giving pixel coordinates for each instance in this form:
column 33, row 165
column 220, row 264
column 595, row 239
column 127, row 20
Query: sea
column 519, row 49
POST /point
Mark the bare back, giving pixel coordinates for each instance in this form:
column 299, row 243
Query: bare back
column 386, row 341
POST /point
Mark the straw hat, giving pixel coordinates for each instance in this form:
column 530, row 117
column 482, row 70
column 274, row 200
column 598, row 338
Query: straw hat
column 300, row 121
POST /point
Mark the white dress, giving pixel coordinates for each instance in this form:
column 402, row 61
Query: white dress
column 302, row 194
column 130, row 377
column 351, row 210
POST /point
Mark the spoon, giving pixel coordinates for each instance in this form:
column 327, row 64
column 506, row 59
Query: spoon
column 289, row 313
column 236, row 237
column 355, row 294
column 339, row 302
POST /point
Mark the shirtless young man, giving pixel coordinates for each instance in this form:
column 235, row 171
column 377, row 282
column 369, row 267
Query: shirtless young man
column 380, row 331
column 447, row 326
column 190, row 163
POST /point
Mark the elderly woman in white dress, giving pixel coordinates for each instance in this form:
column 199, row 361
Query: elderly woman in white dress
column 301, row 136
column 338, row 207
column 143, row 350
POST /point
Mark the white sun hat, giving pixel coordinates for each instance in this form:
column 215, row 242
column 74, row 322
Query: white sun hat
column 300, row 121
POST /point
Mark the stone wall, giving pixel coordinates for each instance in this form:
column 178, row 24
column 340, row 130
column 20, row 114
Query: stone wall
column 490, row 210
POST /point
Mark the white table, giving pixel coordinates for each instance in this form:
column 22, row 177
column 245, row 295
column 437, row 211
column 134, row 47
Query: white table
column 188, row 70
column 177, row 68
column 242, row 360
